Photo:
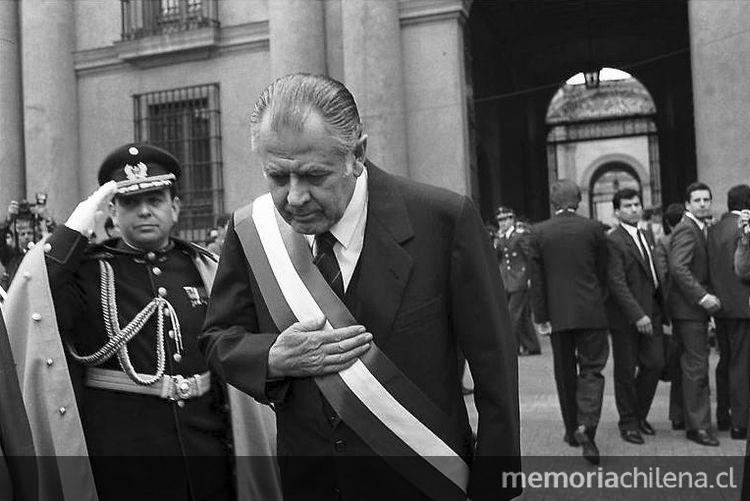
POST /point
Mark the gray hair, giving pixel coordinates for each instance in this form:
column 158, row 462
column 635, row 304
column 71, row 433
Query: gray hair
column 289, row 100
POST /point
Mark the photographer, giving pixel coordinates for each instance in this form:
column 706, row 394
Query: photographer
column 25, row 224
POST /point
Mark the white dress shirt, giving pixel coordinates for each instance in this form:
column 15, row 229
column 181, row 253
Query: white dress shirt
column 349, row 231
column 633, row 232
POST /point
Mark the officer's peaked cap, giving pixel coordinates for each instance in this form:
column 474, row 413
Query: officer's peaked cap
column 138, row 168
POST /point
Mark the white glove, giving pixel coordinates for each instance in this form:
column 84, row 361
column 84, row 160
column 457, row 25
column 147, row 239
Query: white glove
column 90, row 211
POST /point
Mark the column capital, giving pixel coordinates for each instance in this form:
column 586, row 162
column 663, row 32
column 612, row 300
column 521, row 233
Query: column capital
column 425, row 11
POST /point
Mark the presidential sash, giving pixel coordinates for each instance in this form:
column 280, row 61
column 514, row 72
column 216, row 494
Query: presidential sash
column 373, row 397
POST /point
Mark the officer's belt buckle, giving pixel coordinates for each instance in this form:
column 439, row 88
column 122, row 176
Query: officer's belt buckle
column 181, row 388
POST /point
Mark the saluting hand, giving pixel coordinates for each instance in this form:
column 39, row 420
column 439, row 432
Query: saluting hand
column 87, row 213
column 305, row 350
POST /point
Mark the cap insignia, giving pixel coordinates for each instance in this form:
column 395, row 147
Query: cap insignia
column 140, row 171
column 133, row 150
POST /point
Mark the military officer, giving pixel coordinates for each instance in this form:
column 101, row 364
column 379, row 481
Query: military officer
column 130, row 309
column 513, row 253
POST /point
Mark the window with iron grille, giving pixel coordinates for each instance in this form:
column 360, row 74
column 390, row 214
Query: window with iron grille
column 186, row 122
column 141, row 18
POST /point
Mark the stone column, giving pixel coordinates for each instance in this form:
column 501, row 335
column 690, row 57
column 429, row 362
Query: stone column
column 297, row 36
column 50, row 103
column 720, row 50
column 373, row 72
column 11, row 107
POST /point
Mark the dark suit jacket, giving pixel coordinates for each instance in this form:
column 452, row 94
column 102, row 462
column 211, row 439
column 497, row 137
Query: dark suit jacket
column 688, row 271
column 513, row 256
column 631, row 287
column 731, row 290
column 569, row 272
column 427, row 281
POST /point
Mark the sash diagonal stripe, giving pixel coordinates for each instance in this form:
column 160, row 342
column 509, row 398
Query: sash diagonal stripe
column 373, row 410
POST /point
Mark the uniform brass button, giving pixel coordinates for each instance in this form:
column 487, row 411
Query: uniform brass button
column 165, row 311
column 162, row 292
column 177, row 357
column 180, row 403
column 150, row 256
column 47, row 247
column 50, row 362
column 171, row 334
column 62, row 411
column 27, row 275
column 156, row 271
column 36, row 317
column 339, row 445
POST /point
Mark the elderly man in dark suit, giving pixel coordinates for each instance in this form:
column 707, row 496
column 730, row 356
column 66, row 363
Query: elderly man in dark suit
column 569, row 274
column 635, row 308
column 513, row 253
column 341, row 299
column 690, row 304
column 733, row 320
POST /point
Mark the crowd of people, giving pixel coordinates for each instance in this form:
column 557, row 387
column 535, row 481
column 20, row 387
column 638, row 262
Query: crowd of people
column 321, row 355
column 654, row 289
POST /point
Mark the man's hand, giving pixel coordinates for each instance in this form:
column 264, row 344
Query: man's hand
column 744, row 221
column 85, row 216
column 544, row 329
column 643, row 325
column 710, row 303
column 304, row 350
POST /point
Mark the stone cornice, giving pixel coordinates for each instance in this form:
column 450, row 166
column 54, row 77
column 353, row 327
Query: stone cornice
column 426, row 11
column 174, row 48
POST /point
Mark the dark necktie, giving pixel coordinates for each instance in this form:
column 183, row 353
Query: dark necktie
column 326, row 261
column 646, row 258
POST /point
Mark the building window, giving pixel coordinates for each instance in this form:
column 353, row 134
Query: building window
column 142, row 18
column 186, row 122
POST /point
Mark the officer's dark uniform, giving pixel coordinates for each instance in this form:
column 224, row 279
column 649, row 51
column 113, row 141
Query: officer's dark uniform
column 190, row 435
column 513, row 254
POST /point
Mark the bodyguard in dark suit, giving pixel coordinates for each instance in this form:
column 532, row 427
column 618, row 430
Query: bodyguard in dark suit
column 569, row 275
column 733, row 320
column 513, row 253
column 690, row 305
column 635, row 308
column 411, row 264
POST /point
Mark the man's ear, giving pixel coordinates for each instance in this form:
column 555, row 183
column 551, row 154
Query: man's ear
column 359, row 152
column 176, row 205
column 112, row 211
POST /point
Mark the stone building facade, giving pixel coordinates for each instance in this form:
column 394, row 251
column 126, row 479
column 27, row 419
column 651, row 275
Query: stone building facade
column 80, row 77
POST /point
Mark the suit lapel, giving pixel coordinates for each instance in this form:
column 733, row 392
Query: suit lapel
column 629, row 243
column 384, row 265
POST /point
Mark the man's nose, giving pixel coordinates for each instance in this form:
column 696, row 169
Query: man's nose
column 298, row 193
column 144, row 210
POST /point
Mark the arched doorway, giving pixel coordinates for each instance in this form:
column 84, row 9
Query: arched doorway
column 522, row 51
column 605, row 182
column 604, row 133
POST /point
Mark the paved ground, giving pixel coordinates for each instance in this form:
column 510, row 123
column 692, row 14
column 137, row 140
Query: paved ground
column 542, row 431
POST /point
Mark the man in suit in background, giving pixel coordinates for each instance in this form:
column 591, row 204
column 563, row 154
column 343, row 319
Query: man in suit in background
column 569, row 274
column 512, row 247
column 635, row 310
column 733, row 320
column 405, row 276
column 690, row 305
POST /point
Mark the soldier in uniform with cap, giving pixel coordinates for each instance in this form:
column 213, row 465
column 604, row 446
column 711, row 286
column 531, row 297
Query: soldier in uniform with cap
column 129, row 310
column 513, row 253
